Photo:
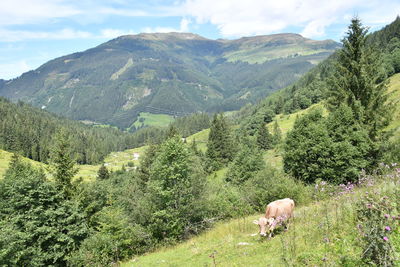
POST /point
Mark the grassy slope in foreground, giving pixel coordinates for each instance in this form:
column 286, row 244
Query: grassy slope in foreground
column 322, row 234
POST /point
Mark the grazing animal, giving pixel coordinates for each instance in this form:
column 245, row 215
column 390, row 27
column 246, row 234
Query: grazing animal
column 277, row 213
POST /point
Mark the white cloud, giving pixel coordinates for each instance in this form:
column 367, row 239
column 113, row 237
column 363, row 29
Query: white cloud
column 242, row 18
column 183, row 27
column 64, row 34
column 12, row 70
column 113, row 33
column 17, row 12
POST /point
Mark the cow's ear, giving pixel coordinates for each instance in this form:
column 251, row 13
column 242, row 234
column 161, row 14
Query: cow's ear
column 255, row 221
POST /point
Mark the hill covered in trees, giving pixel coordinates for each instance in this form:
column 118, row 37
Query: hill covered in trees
column 175, row 74
column 313, row 86
column 30, row 132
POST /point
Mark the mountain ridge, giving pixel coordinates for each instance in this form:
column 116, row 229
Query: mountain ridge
column 177, row 72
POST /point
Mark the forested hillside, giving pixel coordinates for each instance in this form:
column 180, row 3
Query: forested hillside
column 30, row 132
column 313, row 86
column 174, row 74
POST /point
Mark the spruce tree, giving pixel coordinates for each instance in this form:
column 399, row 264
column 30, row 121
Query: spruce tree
column 103, row 173
column 63, row 163
column 277, row 134
column 39, row 227
column 220, row 143
column 359, row 81
column 264, row 138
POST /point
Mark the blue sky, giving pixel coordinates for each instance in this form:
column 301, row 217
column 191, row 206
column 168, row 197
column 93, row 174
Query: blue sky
column 35, row 31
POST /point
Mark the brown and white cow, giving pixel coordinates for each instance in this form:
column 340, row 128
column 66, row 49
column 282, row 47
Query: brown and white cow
column 277, row 213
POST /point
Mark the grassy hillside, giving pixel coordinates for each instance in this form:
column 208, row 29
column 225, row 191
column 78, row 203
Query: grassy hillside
column 5, row 158
column 149, row 119
column 323, row 233
column 394, row 89
column 114, row 161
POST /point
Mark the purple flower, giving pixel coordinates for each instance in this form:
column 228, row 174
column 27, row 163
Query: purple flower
column 387, row 228
column 387, row 216
column 385, row 238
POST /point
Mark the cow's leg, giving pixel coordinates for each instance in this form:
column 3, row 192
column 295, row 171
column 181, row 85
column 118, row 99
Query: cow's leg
column 286, row 226
column 271, row 232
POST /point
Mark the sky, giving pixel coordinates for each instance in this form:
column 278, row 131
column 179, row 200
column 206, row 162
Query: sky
column 33, row 32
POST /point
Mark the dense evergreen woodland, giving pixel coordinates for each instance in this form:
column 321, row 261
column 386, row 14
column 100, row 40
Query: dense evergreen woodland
column 31, row 133
column 177, row 190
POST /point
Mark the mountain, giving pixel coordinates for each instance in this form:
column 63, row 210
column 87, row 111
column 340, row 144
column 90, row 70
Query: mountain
column 170, row 73
column 311, row 87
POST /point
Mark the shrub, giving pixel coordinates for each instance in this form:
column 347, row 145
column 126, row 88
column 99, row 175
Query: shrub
column 175, row 187
column 377, row 220
column 247, row 162
column 226, row 201
column 115, row 239
column 269, row 185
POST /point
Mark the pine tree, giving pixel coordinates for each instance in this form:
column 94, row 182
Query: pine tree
column 172, row 131
column 220, row 144
column 264, row 137
column 63, row 163
column 277, row 133
column 359, row 81
column 103, row 173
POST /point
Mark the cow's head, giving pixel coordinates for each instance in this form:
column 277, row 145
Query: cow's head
column 264, row 224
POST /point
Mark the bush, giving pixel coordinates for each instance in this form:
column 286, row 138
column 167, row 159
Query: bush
column 115, row 239
column 226, row 201
column 247, row 162
column 269, row 185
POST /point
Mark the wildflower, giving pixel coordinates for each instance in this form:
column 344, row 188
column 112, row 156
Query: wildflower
column 387, row 216
column 386, row 238
column 369, row 205
column 387, row 228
